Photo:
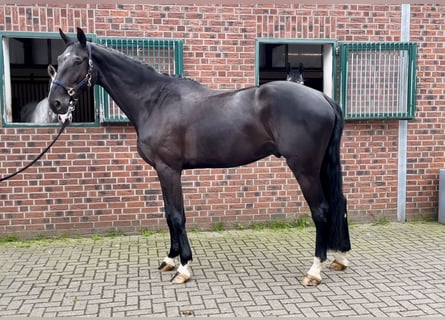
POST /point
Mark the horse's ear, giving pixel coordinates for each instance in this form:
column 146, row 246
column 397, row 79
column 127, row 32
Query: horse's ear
column 301, row 68
column 52, row 71
column 65, row 38
column 81, row 37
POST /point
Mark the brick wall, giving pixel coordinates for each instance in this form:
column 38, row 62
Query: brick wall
column 426, row 135
column 94, row 181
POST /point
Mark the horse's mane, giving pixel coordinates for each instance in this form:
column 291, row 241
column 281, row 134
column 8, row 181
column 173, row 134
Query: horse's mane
column 143, row 64
column 123, row 55
column 175, row 76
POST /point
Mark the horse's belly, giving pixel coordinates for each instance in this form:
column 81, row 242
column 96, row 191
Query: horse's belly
column 228, row 155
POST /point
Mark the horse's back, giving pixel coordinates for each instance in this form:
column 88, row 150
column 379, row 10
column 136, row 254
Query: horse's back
column 303, row 98
column 226, row 128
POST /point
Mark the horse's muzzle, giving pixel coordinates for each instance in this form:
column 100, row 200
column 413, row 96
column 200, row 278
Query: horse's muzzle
column 65, row 117
column 68, row 116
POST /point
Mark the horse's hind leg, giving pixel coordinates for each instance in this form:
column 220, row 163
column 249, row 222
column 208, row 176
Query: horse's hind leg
column 340, row 263
column 310, row 184
column 170, row 180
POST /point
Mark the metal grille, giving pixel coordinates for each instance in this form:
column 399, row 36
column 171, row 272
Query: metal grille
column 378, row 80
column 165, row 55
column 25, row 91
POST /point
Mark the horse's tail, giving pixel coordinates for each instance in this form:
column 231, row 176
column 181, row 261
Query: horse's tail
column 332, row 182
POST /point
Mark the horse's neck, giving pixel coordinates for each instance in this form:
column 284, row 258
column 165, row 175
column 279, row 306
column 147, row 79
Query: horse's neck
column 124, row 80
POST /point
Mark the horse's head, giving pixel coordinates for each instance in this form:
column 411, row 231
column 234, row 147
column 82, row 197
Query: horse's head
column 73, row 75
column 296, row 75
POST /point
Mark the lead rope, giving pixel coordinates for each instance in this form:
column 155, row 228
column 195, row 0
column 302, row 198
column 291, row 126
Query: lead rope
column 39, row 156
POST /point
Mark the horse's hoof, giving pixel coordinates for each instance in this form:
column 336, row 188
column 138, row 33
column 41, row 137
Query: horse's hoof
column 179, row 278
column 337, row 266
column 166, row 266
column 310, row 281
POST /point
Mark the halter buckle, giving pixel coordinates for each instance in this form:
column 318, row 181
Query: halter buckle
column 71, row 91
column 88, row 78
column 68, row 116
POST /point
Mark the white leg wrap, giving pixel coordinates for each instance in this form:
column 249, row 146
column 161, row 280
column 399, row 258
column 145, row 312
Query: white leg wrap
column 169, row 261
column 341, row 258
column 185, row 270
column 315, row 270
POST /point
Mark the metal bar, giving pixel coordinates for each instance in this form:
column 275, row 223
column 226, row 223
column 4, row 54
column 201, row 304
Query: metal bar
column 403, row 131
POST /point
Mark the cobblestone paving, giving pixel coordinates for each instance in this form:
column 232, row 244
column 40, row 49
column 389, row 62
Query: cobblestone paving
column 396, row 270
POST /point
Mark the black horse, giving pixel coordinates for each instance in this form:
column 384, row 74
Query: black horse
column 182, row 124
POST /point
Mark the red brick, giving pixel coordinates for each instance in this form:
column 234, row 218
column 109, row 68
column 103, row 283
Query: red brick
column 369, row 147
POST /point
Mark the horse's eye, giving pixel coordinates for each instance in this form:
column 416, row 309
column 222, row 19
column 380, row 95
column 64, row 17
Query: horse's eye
column 78, row 61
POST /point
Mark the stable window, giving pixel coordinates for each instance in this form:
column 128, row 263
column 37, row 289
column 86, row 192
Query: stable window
column 25, row 82
column 24, row 58
column 374, row 81
column 277, row 57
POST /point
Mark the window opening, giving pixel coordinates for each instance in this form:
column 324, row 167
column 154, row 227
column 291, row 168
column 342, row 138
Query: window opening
column 277, row 57
column 26, row 81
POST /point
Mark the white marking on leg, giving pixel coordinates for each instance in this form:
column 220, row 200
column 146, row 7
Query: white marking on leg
column 315, row 270
column 340, row 257
column 184, row 269
column 169, row 261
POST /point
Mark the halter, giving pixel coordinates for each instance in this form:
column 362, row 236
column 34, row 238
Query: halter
column 72, row 91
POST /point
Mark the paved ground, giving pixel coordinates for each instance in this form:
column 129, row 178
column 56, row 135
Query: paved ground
column 396, row 270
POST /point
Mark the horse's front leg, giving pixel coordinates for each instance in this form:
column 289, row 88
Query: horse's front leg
column 168, row 263
column 170, row 180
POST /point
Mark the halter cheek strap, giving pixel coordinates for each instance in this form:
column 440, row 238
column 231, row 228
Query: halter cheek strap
column 72, row 90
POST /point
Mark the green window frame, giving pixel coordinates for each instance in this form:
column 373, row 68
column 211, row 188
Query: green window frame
column 30, row 81
column 317, row 55
column 378, row 80
column 373, row 80
column 165, row 55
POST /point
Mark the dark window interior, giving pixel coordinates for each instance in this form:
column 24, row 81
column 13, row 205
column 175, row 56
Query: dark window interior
column 29, row 59
column 277, row 58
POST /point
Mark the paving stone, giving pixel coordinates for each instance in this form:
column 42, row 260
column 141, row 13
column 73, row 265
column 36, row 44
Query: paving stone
column 396, row 270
